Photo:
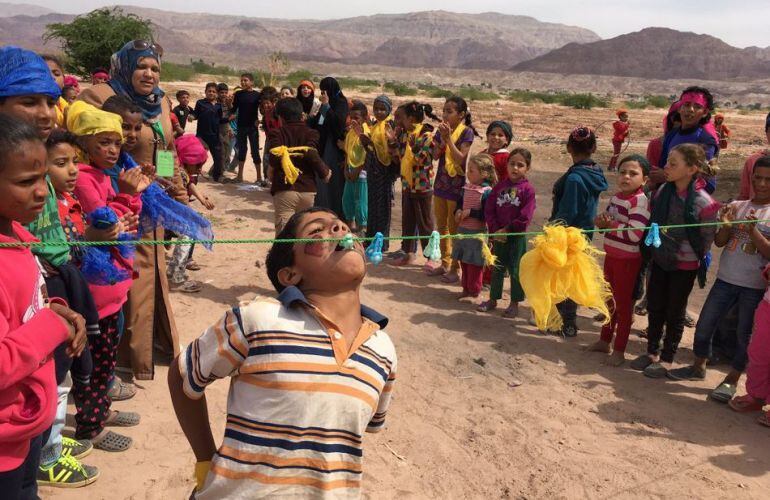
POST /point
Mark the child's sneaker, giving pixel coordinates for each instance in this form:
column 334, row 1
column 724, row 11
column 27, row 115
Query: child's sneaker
column 67, row 472
column 569, row 331
column 76, row 448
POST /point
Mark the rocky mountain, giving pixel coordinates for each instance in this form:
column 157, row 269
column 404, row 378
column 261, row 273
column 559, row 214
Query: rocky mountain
column 419, row 39
column 22, row 9
column 655, row 53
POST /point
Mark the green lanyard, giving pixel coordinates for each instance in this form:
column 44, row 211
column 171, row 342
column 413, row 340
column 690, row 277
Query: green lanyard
column 157, row 128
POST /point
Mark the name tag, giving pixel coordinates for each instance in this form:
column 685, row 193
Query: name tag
column 164, row 163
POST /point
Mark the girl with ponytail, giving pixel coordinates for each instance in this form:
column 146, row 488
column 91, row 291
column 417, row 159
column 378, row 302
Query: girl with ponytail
column 452, row 144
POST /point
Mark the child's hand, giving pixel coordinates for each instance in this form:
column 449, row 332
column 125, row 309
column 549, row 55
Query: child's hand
column 727, row 215
column 129, row 222
column 445, row 131
column 133, row 182
column 357, row 127
column 110, row 234
column 458, row 216
column 657, row 175
column 340, row 144
column 76, row 328
column 324, row 98
column 207, row 203
column 148, row 169
column 500, row 238
column 328, row 176
column 390, row 133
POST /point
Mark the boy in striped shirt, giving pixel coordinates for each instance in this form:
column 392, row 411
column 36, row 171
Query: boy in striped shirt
column 629, row 213
column 309, row 373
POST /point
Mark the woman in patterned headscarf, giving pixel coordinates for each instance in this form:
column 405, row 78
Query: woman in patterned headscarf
column 135, row 74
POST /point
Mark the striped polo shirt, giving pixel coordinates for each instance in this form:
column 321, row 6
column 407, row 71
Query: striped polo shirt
column 299, row 399
column 631, row 214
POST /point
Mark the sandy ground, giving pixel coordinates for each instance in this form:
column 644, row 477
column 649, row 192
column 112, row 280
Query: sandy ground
column 484, row 407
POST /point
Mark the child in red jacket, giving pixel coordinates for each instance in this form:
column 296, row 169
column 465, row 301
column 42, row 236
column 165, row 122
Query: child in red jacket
column 620, row 129
column 30, row 329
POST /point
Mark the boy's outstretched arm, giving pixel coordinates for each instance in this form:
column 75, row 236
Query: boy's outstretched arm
column 193, row 416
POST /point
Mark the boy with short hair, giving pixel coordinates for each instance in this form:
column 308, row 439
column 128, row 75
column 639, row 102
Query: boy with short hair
column 310, row 373
column 270, row 122
column 183, row 111
column 209, row 114
column 225, row 131
column 246, row 107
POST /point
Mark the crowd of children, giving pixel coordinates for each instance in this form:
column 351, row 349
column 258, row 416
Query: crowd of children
column 68, row 175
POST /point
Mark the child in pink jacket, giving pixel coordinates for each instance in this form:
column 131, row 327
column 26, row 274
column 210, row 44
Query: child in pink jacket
column 101, row 135
column 30, row 329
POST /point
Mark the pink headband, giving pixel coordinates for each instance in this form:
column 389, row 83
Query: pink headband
column 190, row 150
column 694, row 97
column 101, row 74
column 581, row 133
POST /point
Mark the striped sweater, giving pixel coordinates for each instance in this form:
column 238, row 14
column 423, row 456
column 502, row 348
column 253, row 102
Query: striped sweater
column 299, row 401
column 632, row 213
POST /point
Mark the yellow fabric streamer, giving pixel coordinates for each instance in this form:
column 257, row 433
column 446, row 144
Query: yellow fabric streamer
column 562, row 265
column 201, row 471
column 61, row 107
column 407, row 162
column 452, row 168
column 380, row 140
column 489, row 258
column 85, row 119
column 290, row 171
column 354, row 150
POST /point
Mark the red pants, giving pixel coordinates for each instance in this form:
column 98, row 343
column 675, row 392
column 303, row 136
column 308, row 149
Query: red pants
column 616, row 145
column 758, row 370
column 621, row 274
column 472, row 278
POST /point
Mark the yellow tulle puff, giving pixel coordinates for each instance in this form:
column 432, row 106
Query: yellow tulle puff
column 562, row 265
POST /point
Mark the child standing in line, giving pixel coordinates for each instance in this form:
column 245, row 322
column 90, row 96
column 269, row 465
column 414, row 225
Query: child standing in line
column 723, row 132
column 209, row 114
column 620, row 130
column 628, row 212
column 575, row 198
column 510, row 210
column 739, row 282
column 306, row 95
column 382, row 170
column 499, row 137
column 680, row 258
column 31, row 328
column 57, row 72
column 101, row 134
column 758, row 370
column 286, row 91
column 317, row 335
column 452, row 144
column 183, row 111
column 270, row 122
column 355, row 200
column 246, row 108
column 411, row 145
column 480, row 177
column 225, row 131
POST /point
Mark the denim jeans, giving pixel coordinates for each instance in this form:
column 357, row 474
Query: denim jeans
column 52, row 447
column 722, row 297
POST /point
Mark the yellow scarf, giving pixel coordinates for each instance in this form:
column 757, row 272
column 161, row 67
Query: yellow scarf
column 380, row 140
column 61, row 106
column 407, row 162
column 562, row 265
column 289, row 170
column 452, row 168
column 85, row 119
column 354, row 150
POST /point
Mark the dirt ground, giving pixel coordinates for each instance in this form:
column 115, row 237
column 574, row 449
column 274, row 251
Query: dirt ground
column 484, row 407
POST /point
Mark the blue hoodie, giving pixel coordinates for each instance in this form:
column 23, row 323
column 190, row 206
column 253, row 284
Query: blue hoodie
column 576, row 195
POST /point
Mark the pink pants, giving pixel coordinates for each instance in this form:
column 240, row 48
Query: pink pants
column 472, row 278
column 758, row 371
column 621, row 275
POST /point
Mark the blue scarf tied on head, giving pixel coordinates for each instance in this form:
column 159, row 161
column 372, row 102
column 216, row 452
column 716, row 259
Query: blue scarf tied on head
column 22, row 72
column 122, row 67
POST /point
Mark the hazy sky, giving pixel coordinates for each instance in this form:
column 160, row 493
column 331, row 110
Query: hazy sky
column 741, row 23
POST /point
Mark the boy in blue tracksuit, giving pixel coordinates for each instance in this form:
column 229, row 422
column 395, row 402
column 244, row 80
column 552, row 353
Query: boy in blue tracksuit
column 575, row 199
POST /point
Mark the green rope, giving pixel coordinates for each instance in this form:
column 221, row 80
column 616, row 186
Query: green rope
column 258, row 241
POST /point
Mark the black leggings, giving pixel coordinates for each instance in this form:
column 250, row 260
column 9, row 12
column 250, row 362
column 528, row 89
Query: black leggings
column 667, row 295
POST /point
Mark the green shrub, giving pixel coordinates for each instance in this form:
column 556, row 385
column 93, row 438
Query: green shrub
column 529, row 96
column 177, row 72
column 399, row 89
column 474, row 94
column 440, row 93
column 298, row 75
column 658, row 101
column 347, row 82
column 584, row 101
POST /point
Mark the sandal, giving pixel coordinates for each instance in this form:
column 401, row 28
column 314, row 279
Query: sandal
column 724, row 392
column 486, row 306
column 746, row 404
column 450, row 277
column 511, row 312
column 436, row 271
column 120, row 391
column 123, row 419
column 112, row 441
column 193, row 266
column 764, row 419
column 189, row 286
